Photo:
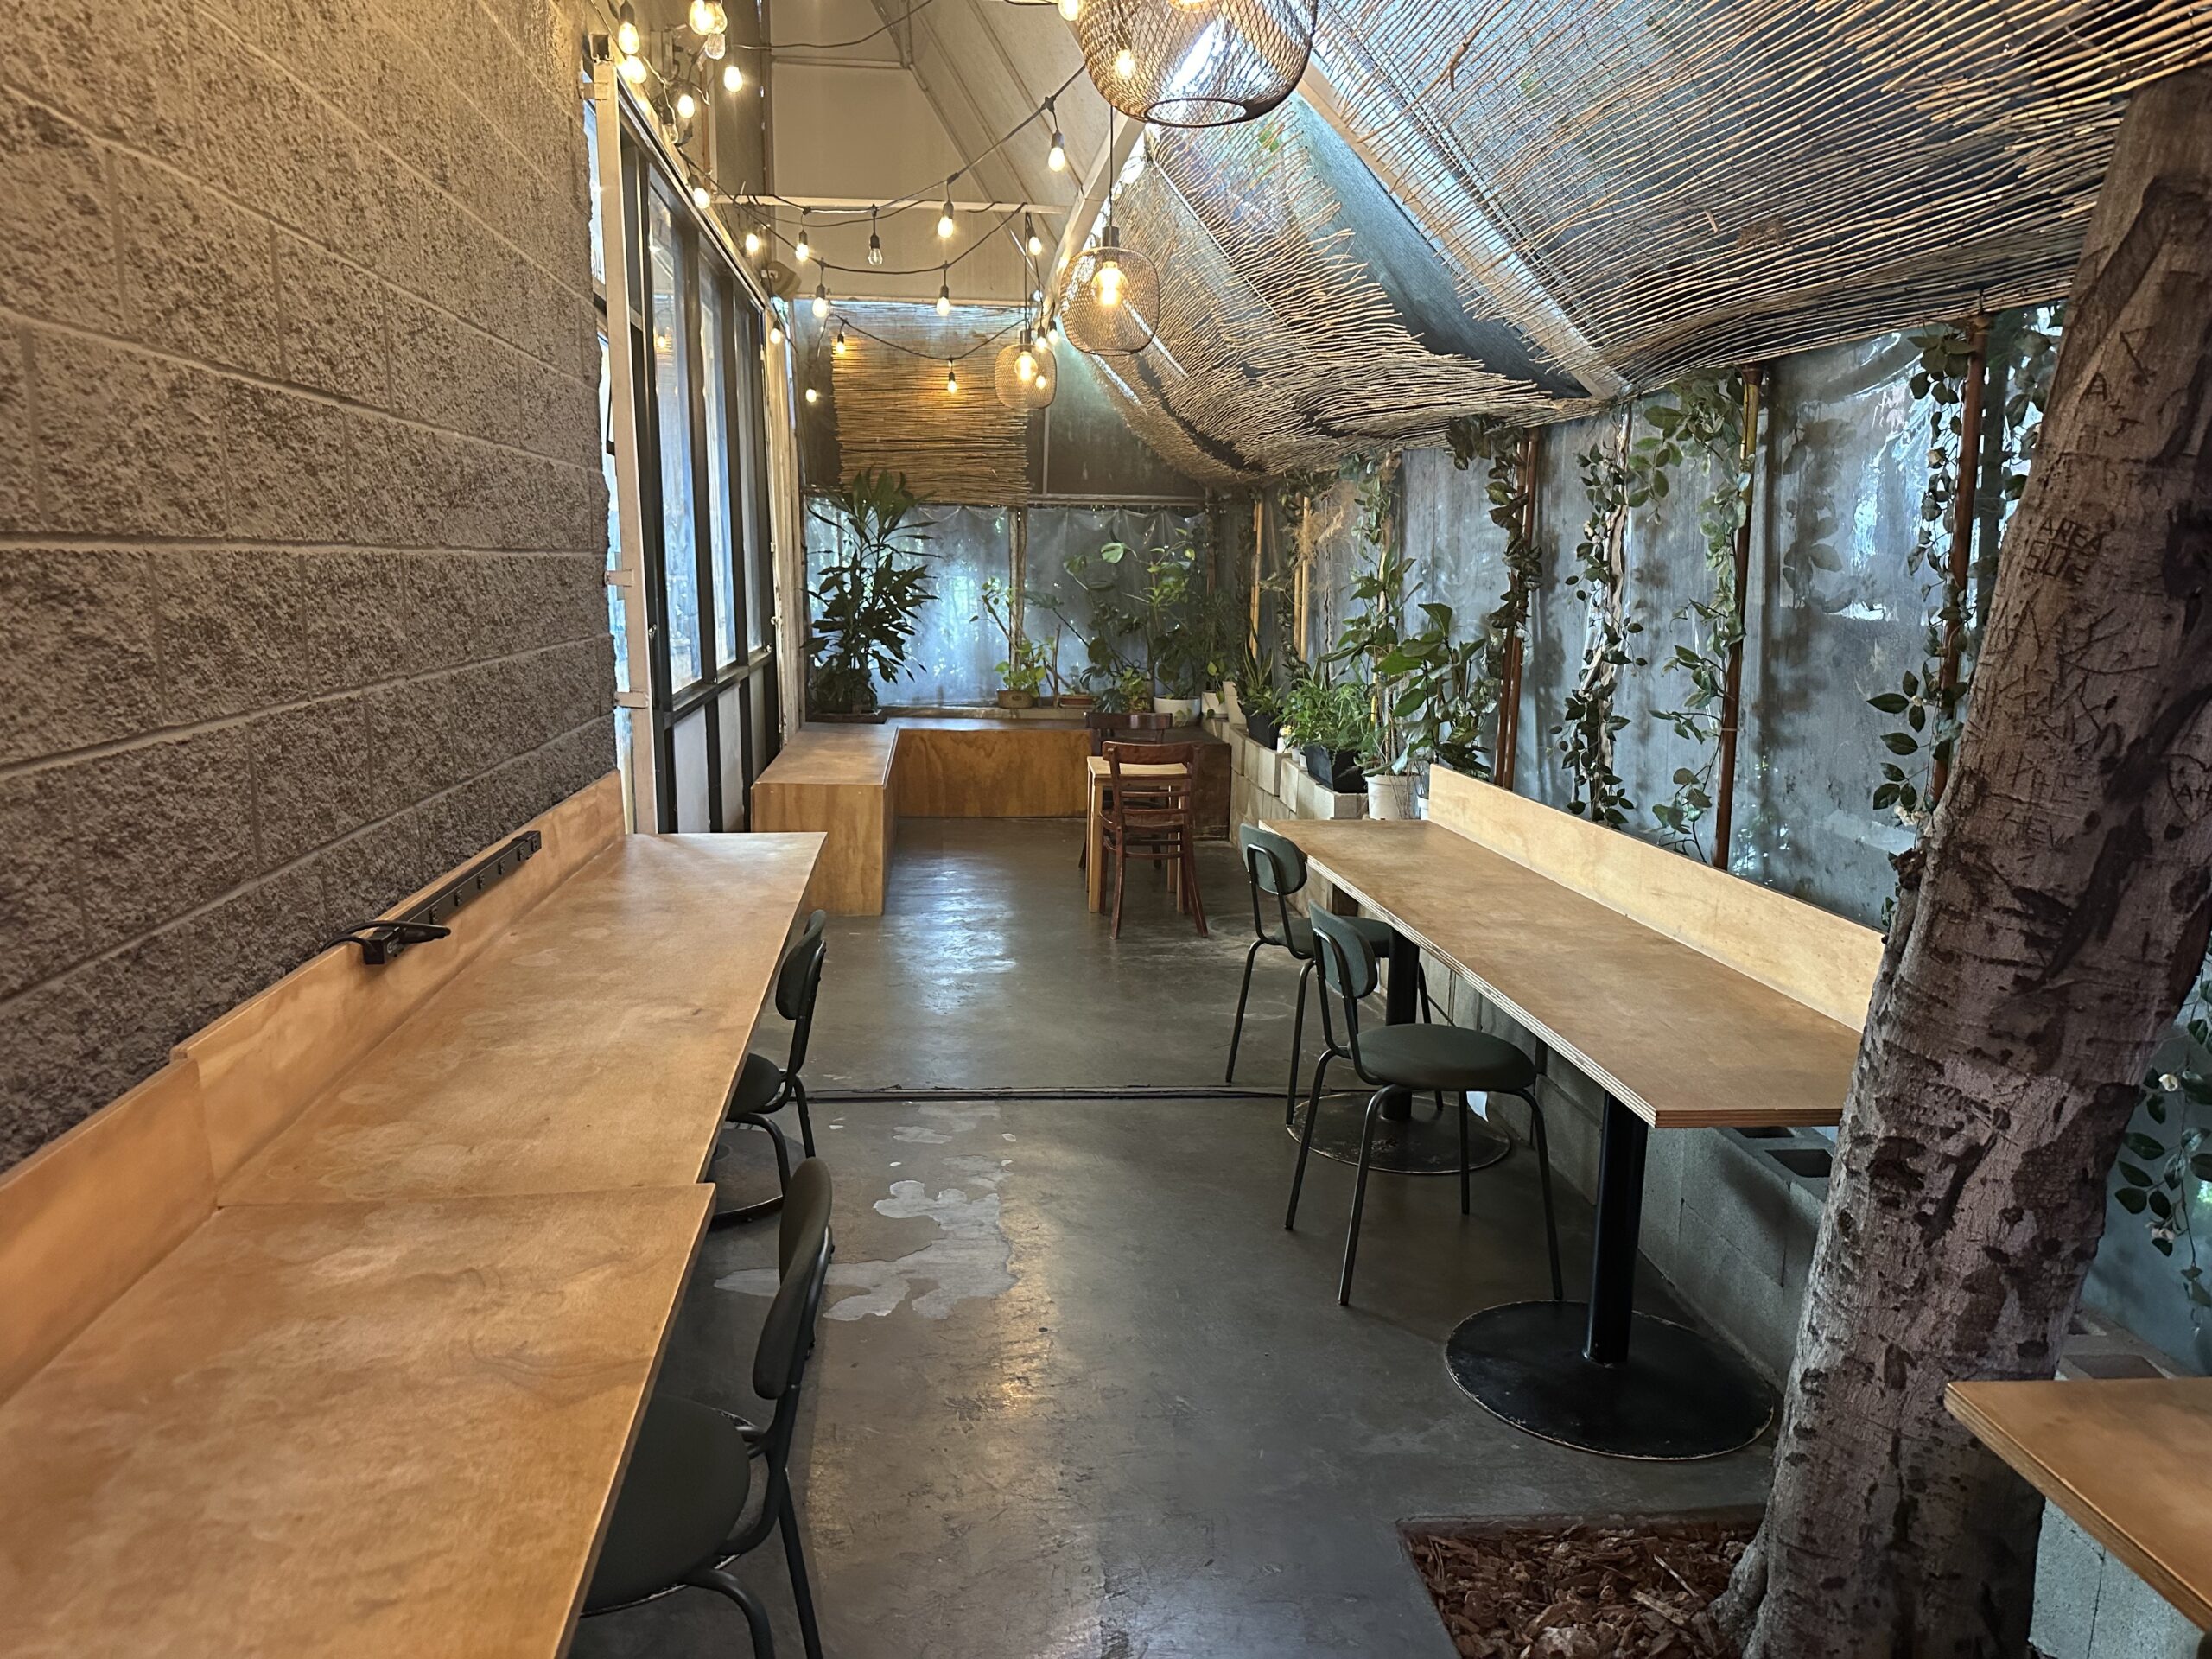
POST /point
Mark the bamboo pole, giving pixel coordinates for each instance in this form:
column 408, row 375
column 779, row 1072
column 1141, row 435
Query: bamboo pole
column 1508, row 678
column 1962, row 513
column 1732, row 690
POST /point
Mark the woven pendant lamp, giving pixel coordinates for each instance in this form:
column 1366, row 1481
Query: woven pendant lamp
column 1033, row 391
column 1208, row 63
column 1113, row 298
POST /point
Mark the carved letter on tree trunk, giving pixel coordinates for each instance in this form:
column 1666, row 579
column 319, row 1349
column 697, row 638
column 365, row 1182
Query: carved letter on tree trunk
column 2038, row 954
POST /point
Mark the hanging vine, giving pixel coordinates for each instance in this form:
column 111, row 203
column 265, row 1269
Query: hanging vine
column 2165, row 1181
column 1614, row 482
column 1703, row 417
column 2023, row 348
column 1502, row 448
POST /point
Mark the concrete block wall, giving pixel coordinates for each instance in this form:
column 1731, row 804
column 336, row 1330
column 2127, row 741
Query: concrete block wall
column 301, row 525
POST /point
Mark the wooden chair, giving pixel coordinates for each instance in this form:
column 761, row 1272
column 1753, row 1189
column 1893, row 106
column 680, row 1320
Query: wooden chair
column 1134, row 727
column 1154, row 816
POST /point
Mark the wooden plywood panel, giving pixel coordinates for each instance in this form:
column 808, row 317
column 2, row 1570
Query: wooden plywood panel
column 2124, row 1456
column 86, row 1215
column 591, row 1047
column 266, row 1058
column 343, row 1430
column 1822, row 959
column 855, row 821
column 991, row 769
column 1675, row 1034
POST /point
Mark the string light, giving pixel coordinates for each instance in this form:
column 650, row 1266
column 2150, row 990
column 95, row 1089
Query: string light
column 702, row 197
column 686, row 104
column 1070, row 9
column 944, row 296
column 1057, row 157
column 707, row 17
column 775, row 332
column 752, row 243
column 715, row 46
column 802, row 249
column 838, row 349
column 812, row 396
column 821, row 302
column 733, row 78
column 944, row 225
column 634, row 70
column 627, row 38
column 1025, row 365
column 951, row 379
column 1035, row 243
column 1044, row 383
column 874, row 242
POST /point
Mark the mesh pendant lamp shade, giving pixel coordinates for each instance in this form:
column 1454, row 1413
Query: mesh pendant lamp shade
column 1034, row 391
column 1208, row 63
column 1090, row 322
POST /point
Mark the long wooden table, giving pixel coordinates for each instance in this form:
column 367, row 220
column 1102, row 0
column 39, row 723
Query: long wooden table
column 592, row 1047
column 343, row 1429
column 2126, row 1457
column 1676, row 1038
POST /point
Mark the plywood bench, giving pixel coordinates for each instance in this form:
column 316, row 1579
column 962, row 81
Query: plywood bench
column 853, row 783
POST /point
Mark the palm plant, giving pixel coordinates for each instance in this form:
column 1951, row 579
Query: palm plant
column 868, row 595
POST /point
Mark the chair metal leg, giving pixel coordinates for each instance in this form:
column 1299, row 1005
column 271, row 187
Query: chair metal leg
column 1359, row 1193
column 1420, row 983
column 1465, row 1183
column 1192, row 899
column 1244, row 991
column 1121, row 878
column 802, row 1591
column 1306, row 1139
column 806, row 1119
column 1544, row 1176
column 1297, row 1042
column 720, row 1580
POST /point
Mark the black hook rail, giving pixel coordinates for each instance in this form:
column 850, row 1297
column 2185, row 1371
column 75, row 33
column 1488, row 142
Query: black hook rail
column 384, row 938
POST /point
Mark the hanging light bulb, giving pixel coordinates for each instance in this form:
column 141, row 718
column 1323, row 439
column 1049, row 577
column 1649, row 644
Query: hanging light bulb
column 1025, row 365
column 951, row 379
column 1070, row 9
column 802, row 249
column 775, row 331
column 944, row 297
column 874, row 242
column 702, row 197
column 627, row 38
column 812, row 396
column 838, row 349
column 715, row 46
column 707, row 17
column 1057, row 157
column 944, row 225
column 633, row 70
column 752, row 243
column 821, row 302
column 733, row 78
column 1125, row 63
column 687, row 106
column 1030, row 238
column 1044, row 385
column 1107, row 282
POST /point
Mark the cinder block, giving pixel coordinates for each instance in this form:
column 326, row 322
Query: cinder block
column 200, row 275
column 446, row 373
column 38, row 880
column 1734, row 1294
column 149, row 96
column 57, row 235
column 77, row 653
column 2069, row 1574
column 243, row 630
column 288, row 472
column 128, row 444
column 335, row 324
column 1724, row 1193
column 163, row 829
column 315, row 775
column 409, row 477
column 18, row 464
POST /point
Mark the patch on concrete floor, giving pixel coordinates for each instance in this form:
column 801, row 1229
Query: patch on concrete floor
column 970, row 1260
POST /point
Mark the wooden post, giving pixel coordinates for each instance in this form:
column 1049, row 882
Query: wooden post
column 1509, row 676
column 1732, row 690
column 1962, row 508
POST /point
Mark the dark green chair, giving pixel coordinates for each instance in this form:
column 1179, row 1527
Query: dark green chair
column 679, row 1518
column 1276, row 870
column 762, row 1087
column 1406, row 1060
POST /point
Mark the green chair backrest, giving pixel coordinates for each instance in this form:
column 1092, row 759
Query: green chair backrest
column 1273, row 859
column 1346, row 959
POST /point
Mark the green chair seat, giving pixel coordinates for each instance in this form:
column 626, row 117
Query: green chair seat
column 759, row 1082
column 1430, row 1059
column 679, row 1503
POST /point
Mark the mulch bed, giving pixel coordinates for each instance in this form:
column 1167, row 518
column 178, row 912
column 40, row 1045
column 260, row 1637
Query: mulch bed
column 1587, row 1591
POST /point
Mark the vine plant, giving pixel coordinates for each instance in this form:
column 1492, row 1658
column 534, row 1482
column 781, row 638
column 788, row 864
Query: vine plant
column 2159, row 1176
column 1703, row 417
column 1614, row 483
column 1501, row 446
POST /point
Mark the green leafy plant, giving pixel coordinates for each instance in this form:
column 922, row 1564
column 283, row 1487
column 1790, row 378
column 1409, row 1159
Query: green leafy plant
column 1587, row 726
column 1701, row 419
column 2162, row 1177
column 868, row 593
column 1026, row 663
column 1505, row 451
column 1319, row 708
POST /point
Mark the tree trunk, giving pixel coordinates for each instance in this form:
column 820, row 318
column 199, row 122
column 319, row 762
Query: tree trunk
column 2039, row 953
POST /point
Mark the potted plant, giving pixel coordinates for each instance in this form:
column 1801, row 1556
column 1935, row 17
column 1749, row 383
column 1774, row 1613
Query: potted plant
column 1026, row 665
column 1328, row 722
column 868, row 595
column 1070, row 689
column 1259, row 701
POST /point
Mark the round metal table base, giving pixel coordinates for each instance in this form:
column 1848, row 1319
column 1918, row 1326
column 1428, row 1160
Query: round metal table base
column 1427, row 1143
column 1676, row 1397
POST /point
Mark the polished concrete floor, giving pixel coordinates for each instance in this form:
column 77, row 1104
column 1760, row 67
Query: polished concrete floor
column 1078, row 1393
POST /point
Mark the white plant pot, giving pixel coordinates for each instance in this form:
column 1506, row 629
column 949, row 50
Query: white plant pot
column 1185, row 710
column 1391, row 795
column 1231, row 709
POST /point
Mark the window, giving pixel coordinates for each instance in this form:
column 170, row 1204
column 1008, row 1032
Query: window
column 714, row 367
column 673, row 429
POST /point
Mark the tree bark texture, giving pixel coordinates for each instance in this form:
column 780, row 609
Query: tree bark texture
column 2040, row 951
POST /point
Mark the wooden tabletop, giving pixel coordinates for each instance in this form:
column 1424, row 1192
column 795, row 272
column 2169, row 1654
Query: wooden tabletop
column 342, row 1429
column 591, row 1047
column 2129, row 1459
column 1678, row 1038
column 1101, row 767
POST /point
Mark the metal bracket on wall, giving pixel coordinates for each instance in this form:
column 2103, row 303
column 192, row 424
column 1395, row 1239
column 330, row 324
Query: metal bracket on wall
column 385, row 938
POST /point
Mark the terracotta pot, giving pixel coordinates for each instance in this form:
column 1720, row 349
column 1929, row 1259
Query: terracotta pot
column 1017, row 699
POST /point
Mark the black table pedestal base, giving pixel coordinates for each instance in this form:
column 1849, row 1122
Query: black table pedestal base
column 1426, row 1143
column 1674, row 1397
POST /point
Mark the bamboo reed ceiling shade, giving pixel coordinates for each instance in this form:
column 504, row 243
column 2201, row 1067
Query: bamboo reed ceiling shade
column 1634, row 187
column 894, row 414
